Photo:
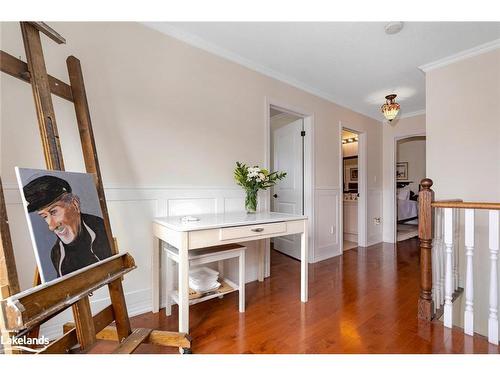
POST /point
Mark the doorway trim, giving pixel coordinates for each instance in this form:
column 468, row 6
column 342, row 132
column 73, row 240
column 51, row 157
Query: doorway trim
column 309, row 188
column 362, row 188
column 393, row 180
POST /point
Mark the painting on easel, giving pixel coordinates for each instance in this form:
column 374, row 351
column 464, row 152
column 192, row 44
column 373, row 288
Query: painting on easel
column 64, row 219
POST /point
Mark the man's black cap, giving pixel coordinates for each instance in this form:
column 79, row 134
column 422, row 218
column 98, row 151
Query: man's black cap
column 44, row 190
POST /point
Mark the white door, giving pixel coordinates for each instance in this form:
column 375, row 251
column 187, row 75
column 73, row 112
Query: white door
column 287, row 195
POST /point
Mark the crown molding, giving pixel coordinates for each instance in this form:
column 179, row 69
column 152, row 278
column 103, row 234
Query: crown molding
column 405, row 115
column 203, row 44
column 414, row 113
column 478, row 50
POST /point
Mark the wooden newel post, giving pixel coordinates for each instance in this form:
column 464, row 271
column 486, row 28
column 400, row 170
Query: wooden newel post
column 425, row 198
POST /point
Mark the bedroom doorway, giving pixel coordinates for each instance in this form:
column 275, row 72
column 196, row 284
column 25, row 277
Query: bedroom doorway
column 287, row 155
column 410, row 170
column 350, row 178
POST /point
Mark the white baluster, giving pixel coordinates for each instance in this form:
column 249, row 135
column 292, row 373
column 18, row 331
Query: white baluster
column 453, row 286
column 434, row 276
column 436, row 261
column 493, row 244
column 448, row 282
column 442, row 257
column 469, row 277
column 456, row 246
column 453, row 251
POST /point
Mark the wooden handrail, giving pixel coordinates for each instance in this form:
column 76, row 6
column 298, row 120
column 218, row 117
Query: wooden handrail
column 474, row 205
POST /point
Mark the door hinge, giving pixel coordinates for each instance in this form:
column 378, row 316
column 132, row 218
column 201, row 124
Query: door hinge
column 303, row 133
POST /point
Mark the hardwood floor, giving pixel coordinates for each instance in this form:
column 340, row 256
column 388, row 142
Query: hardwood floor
column 361, row 302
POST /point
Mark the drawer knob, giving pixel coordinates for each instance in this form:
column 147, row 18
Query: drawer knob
column 257, row 230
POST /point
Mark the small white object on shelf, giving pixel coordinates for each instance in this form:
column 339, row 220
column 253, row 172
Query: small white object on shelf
column 203, row 280
column 189, row 219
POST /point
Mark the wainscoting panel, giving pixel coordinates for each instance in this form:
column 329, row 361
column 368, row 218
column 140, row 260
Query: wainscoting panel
column 374, row 230
column 131, row 212
column 192, row 206
column 327, row 224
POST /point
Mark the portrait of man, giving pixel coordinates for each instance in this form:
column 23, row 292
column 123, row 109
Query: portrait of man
column 78, row 238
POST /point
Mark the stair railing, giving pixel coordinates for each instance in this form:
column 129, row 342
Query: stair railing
column 439, row 234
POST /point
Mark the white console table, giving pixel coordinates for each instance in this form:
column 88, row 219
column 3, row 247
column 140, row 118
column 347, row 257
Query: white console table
column 220, row 229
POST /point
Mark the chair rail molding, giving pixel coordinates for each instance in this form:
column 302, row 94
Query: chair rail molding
column 137, row 205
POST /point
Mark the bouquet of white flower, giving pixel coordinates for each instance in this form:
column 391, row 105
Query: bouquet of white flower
column 252, row 179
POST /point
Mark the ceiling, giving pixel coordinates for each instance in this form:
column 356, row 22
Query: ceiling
column 354, row 64
column 347, row 134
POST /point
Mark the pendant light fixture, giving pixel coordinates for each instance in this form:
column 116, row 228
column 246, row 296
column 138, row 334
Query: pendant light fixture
column 390, row 109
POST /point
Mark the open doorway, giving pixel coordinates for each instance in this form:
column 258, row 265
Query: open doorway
column 287, row 155
column 350, row 178
column 410, row 170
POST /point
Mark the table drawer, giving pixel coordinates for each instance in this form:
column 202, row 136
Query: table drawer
column 252, row 230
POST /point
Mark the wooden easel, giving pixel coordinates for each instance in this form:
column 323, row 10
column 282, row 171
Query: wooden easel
column 22, row 313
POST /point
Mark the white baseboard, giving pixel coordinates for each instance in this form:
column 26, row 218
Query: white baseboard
column 324, row 256
column 374, row 239
column 350, row 237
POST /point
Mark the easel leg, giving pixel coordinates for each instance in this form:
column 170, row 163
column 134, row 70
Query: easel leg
column 155, row 274
column 84, row 322
column 4, row 293
column 120, row 309
column 43, row 100
column 304, row 260
column 184, row 285
column 9, row 281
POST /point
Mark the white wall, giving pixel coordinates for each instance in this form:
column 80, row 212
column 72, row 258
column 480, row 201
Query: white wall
column 412, row 151
column 463, row 149
column 170, row 120
column 398, row 129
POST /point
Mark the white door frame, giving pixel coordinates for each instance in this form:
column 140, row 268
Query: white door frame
column 362, row 188
column 308, row 165
column 393, row 180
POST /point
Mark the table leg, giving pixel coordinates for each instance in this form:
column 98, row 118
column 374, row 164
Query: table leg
column 155, row 274
column 169, row 281
column 242, row 280
column 304, row 260
column 220, row 267
column 261, row 254
column 184, row 285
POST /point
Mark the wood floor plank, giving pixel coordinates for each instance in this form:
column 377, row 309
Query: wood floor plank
column 362, row 302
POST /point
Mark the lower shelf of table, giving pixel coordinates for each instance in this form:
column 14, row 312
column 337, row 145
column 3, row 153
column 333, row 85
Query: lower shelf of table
column 227, row 286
